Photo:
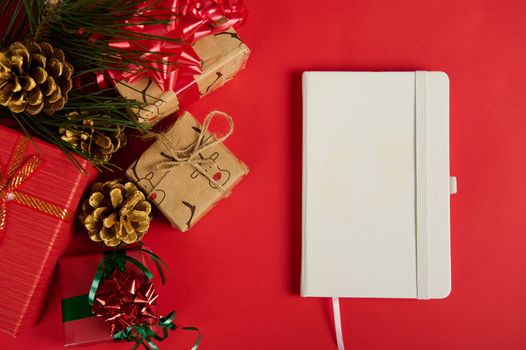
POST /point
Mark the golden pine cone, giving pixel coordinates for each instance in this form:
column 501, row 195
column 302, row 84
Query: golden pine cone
column 99, row 143
column 115, row 213
column 34, row 77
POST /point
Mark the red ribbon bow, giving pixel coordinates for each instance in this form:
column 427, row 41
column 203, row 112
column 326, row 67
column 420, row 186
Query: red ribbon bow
column 189, row 21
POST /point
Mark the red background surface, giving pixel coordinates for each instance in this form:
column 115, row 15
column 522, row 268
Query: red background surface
column 236, row 274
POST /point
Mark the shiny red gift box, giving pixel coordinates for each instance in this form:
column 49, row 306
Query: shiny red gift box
column 40, row 189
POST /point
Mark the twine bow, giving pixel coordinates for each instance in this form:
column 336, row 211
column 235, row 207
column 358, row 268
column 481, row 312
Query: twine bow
column 14, row 175
column 191, row 155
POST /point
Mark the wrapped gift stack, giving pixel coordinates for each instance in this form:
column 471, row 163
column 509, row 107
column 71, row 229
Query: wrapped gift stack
column 70, row 91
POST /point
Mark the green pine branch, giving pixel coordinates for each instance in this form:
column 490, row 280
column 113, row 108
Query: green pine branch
column 83, row 29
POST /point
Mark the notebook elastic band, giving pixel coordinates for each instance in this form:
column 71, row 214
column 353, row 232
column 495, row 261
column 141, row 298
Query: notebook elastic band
column 421, row 185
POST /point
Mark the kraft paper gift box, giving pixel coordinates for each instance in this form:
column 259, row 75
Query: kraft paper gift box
column 40, row 190
column 223, row 55
column 185, row 190
column 76, row 275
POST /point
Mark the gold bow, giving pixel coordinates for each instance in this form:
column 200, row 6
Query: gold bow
column 17, row 172
column 191, row 154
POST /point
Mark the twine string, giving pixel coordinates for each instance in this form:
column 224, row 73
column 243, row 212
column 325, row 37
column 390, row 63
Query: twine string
column 191, row 155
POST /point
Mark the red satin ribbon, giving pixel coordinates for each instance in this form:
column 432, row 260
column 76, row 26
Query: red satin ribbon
column 189, row 21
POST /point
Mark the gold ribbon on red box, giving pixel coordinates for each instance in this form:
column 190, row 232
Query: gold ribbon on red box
column 18, row 171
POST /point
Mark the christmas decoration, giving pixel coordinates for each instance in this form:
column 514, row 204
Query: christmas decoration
column 188, row 170
column 116, row 213
column 119, row 302
column 107, row 42
column 125, row 300
column 34, row 77
column 66, row 71
column 95, row 137
column 223, row 55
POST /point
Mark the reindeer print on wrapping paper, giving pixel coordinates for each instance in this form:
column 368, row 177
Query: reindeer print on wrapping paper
column 158, row 102
column 145, row 182
column 233, row 35
column 157, row 195
column 215, row 175
column 213, row 172
column 219, row 75
column 192, row 212
column 209, row 87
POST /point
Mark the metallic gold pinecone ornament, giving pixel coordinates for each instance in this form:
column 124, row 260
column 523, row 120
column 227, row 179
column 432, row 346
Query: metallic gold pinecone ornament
column 101, row 144
column 115, row 213
column 34, row 77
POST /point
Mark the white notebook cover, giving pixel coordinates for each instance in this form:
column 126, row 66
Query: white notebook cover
column 359, row 185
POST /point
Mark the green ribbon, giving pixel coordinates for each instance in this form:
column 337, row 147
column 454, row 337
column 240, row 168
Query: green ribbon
column 141, row 334
column 76, row 308
column 198, row 340
column 144, row 335
column 80, row 307
column 117, row 259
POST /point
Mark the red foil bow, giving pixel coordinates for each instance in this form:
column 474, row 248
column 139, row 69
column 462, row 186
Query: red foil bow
column 188, row 21
column 125, row 299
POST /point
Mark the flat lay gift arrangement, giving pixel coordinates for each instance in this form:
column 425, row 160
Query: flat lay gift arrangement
column 76, row 76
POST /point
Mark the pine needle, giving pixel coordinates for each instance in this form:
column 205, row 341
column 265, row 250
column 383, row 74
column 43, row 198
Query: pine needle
column 83, row 29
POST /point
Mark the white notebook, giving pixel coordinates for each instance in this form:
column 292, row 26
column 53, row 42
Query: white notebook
column 376, row 185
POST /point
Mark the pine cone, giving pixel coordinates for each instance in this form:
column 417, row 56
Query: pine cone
column 100, row 144
column 116, row 213
column 34, row 77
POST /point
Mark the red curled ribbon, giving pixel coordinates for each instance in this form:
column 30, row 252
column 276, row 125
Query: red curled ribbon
column 188, row 21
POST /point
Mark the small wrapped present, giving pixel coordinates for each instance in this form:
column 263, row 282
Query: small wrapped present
column 40, row 189
column 222, row 56
column 187, row 170
column 122, row 286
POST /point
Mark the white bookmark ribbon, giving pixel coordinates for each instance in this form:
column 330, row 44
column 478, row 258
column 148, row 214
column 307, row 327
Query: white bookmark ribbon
column 421, row 202
column 422, row 290
column 337, row 323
